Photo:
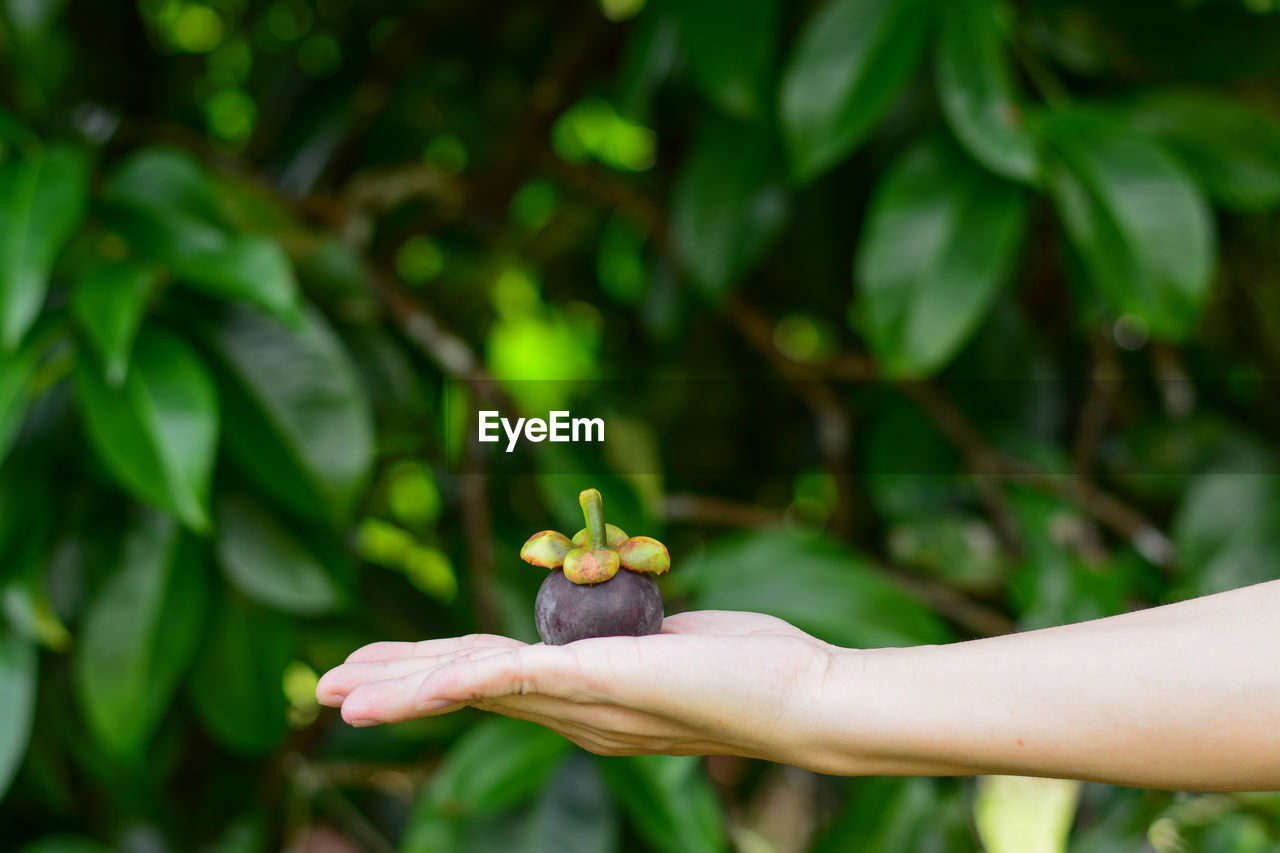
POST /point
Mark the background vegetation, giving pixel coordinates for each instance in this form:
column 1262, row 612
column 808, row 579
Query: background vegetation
column 989, row 292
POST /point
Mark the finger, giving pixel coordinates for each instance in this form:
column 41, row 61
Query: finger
column 391, row 700
column 549, row 670
column 424, row 648
column 335, row 684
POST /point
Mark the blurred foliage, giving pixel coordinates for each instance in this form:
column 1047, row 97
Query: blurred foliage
column 249, row 250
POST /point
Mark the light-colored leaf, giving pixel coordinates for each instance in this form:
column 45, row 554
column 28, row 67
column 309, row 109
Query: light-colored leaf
column 1022, row 814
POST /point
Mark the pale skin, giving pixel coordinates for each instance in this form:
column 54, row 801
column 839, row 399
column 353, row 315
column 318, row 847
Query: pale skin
column 1184, row 696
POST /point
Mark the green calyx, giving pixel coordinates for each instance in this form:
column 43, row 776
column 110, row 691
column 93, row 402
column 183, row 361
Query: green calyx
column 597, row 551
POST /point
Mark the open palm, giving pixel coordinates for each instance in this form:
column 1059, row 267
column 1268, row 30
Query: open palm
column 713, row 682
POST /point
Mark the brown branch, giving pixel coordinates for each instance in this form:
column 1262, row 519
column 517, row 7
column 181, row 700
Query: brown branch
column 456, row 359
column 479, row 526
column 977, row 618
column 311, row 779
column 1096, row 409
column 711, row 510
column 988, row 465
column 832, row 417
column 963, row 611
column 981, row 461
column 1121, row 518
column 450, row 353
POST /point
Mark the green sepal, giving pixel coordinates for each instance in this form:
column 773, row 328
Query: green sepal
column 644, row 554
column 547, row 549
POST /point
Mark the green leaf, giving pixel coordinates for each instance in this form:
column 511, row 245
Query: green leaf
column 940, row 239
column 977, row 92
column 163, row 234
column 13, row 131
column 167, row 206
column 18, row 680
column 297, row 419
column 645, row 62
column 24, row 594
column 1059, row 580
column 237, row 681
column 669, row 800
column 1215, row 508
column 166, row 179
column 886, row 815
column 815, row 585
column 158, row 432
column 137, row 637
column 729, row 50
column 1227, row 532
column 1232, row 151
column 909, row 469
column 729, row 203
column 108, row 302
column 1139, row 225
column 25, row 509
column 959, row 548
column 495, row 765
column 42, row 200
column 64, row 844
column 17, row 371
column 246, row 266
column 268, row 562
column 574, row 813
column 851, row 59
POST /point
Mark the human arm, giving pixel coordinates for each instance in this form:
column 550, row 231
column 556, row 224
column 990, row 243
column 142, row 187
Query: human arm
column 1184, row 696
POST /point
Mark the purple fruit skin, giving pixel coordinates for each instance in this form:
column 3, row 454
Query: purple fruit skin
column 627, row 605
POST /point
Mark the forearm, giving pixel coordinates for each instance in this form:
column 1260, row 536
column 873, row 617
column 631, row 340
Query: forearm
column 1184, row 696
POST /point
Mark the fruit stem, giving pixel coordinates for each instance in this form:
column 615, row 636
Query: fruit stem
column 593, row 512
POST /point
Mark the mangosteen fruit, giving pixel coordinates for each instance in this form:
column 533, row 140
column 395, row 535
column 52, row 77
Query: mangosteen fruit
column 601, row 581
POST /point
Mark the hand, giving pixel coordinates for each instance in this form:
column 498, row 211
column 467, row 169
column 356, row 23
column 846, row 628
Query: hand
column 713, row 682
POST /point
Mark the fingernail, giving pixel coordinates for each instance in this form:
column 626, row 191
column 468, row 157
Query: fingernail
column 362, row 724
column 433, row 704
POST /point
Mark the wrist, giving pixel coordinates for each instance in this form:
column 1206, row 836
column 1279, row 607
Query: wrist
column 876, row 715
